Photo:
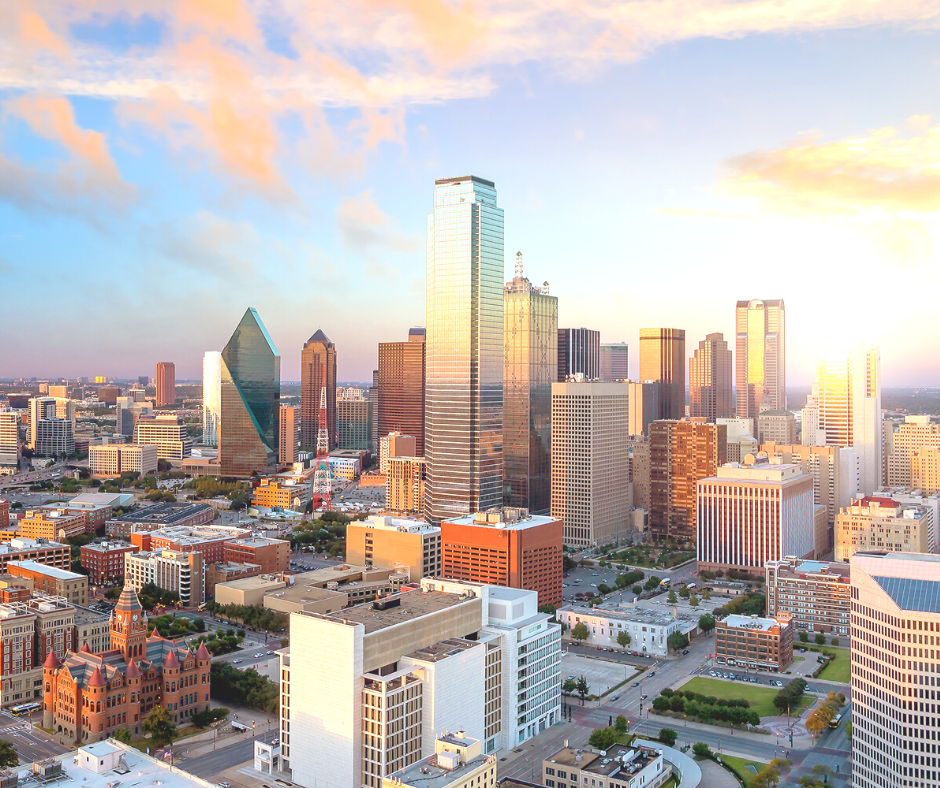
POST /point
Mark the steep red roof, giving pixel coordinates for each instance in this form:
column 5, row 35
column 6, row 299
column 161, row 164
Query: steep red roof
column 202, row 652
column 84, row 649
column 96, row 679
column 171, row 661
column 132, row 670
column 52, row 661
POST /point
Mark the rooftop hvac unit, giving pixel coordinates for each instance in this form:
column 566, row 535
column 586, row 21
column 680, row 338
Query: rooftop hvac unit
column 9, row 779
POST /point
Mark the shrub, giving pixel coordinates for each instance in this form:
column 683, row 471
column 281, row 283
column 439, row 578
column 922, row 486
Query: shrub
column 702, row 750
column 668, row 736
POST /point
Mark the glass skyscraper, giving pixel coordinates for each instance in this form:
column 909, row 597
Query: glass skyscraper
column 251, row 390
column 464, row 378
column 760, row 345
column 211, row 397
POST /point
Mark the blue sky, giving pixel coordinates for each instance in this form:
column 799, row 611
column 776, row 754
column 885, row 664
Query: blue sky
column 164, row 166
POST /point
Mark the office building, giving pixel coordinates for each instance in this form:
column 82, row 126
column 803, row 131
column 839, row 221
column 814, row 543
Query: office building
column 649, row 629
column 392, row 541
column 52, row 524
column 530, row 362
column 208, row 540
column 619, row 766
column 275, row 493
column 814, row 593
column 51, row 580
column 167, row 433
column 591, row 493
column 638, row 459
column 662, row 359
column 615, row 362
column 895, row 621
column 810, row 434
column 51, row 427
column 4, row 514
column 579, row 354
column 166, row 383
column 211, row 397
column 848, row 388
column 644, row 406
column 760, row 366
column 681, row 454
column 251, row 388
column 901, row 443
column 457, row 762
column 396, row 445
column 505, row 547
column 370, row 688
column 777, row 426
column 317, row 369
column 107, row 395
column 882, row 524
column 161, row 515
column 757, row 512
column 920, row 499
column 128, row 410
column 91, row 630
column 740, row 437
column 755, row 643
column 9, row 438
column 272, row 555
column 171, row 570
column 114, row 459
column 710, row 380
column 288, row 434
column 925, row 469
column 124, row 683
column 104, row 561
column 61, row 392
column 354, row 423
column 399, row 390
column 42, row 551
column 404, row 484
column 464, row 381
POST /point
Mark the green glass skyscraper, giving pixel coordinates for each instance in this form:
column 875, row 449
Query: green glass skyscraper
column 251, row 391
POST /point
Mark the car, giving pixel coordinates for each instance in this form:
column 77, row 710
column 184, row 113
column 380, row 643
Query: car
column 258, row 655
column 779, row 683
column 225, row 784
column 651, row 674
column 236, row 662
column 593, row 585
column 711, row 673
column 570, row 678
column 635, row 684
column 685, row 651
column 269, row 653
column 616, row 697
column 643, row 697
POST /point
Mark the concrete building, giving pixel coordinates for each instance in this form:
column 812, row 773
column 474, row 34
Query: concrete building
column 617, row 767
column 386, row 541
column 317, row 371
column 345, row 464
column 755, row 643
column 9, row 438
column 398, row 405
column 51, row 428
column 288, row 434
column 42, row 551
column 760, row 367
column 615, row 362
column 354, row 423
column 710, row 371
column 222, row 572
column 638, row 456
column 283, row 494
column 171, row 570
column 644, row 406
column 681, row 453
column 404, row 485
column 127, row 412
column 590, row 489
column 505, row 547
column 579, row 354
column 882, row 524
column 105, row 462
column 777, row 426
column 740, row 438
column 895, row 621
column 814, row 593
column 166, row 383
column 448, row 656
column 902, row 442
column 51, row 580
column 917, row 498
column 211, row 397
column 162, row 515
column 649, row 630
column 92, row 630
column 52, row 524
column 662, row 359
column 395, row 445
column 104, row 561
column 209, row 540
column 925, row 469
column 757, row 512
column 167, row 433
column 272, row 555
column 457, row 762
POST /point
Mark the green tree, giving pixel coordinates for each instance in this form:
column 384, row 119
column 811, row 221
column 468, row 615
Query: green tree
column 835, row 641
column 668, row 736
column 672, row 598
column 677, row 641
column 637, row 590
column 701, row 750
column 652, row 583
column 603, row 738
column 582, row 688
column 820, row 639
column 848, row 730
column 803, row 637
column 706, row 594
column 684, row 593
column 569, row 686
column 159, row 724
column 706, row 623
column 8, row 757
column 621, row 724
column 580, row 631
column 693, row 600
column 623, row 640
column 123, row 735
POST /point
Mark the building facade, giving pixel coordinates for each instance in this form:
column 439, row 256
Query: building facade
column 710, row 379
column 51, row 429
column 457, row 762
column 52, row 581
column 615, row 362
column 104, row 561
column 166, row 383
column 755, row 643
column 617, row 767
column 114, row 459
column 902, row 442
column 579, row 354
column 388, row 542
column 51, row 524
column 644, row 406
column 211, row 397
column 662, row 359
column 161, row 515
column 317, row 370
column 649, row 630
column 464, row 382
column 170, row 570
column 272, row 555
column 127, row 411
column 9, row 438
column 760, row 366
column 925, row 469
column 42, row 551
column 167, row 433
column 404, row 484
column 776, row 426
column 400, row 388
column 288, row 434
column 354, row 423
column 882, row 524
column 814, row 593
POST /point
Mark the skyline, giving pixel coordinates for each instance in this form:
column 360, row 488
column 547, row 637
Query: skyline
column 685, row 165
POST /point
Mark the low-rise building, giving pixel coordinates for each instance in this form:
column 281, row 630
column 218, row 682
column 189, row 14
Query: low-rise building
column 815, row 593
column 43, row 551
column 345, row 466
column 778, row 426
column 52, row 524
column 105, row 462
column 619, row 766
column 389, row 541
column 104, row 561
column 52, row 581
column 272, row 555
column 92, row 629
column 171, row 570
column 649, row 629
column 167, row 433
column 882, row 524
column 282, row 494
column 222, row 572
column 161, row 515
column 754, row 642
column 457, row 762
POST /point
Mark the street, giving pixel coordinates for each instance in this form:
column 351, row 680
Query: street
column 225, row 757
column 31, row 743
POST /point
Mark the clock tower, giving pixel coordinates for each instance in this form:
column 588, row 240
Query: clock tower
column 129, row 626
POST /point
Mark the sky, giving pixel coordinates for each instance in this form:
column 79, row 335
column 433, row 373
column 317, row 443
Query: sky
column 165, row 165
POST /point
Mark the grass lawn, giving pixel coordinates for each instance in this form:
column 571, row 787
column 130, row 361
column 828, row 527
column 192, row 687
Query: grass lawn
column 760, row 697
column 840, row 668
column 740, row 766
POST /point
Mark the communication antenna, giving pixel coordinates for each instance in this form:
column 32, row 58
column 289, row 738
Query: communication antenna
column 518, row 265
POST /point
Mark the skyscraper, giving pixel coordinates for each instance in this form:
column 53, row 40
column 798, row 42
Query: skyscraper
column 166, row 383
column 615, row 362
column 644, row 406
column 530, row 363
column 761, row 375
column 251, row 390
column 128, row 411
column 662, row 358
column 319, row 354
column 211, row 397
column 51, row 426
column 401, row 388
column 579, row 353
column 710, row 379
column 464, row 389
column 288, row 430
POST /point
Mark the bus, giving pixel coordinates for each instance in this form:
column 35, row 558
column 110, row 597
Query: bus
column 201, row 607
column 834, row 722
column 25, row 709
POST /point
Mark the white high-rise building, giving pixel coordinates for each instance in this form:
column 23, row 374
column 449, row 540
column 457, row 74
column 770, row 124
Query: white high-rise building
column 901, row 442
column 211, row 397
column 9, row 437
column 895, row 667
column 51, row 426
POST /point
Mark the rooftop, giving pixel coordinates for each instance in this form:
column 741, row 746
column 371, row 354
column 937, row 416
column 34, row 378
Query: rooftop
column 256, row 541
column 428, row 774
column 619, row 760
column 752, row 622
column 23, row 543
column 188, row 535
column 794, row 566
column 412, row 604
column 443, row 649
column 506, row 517
column 51, row 571
column 84, row 615
column 103, row 547
column 642, row 615
column 403, row 524
column 103, row 499
column 163, row 513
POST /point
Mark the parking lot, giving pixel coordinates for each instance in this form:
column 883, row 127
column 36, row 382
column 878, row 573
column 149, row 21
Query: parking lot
column 600, row 674
column 364, row 497
column 720, row 672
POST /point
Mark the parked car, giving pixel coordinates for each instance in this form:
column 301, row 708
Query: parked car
column 685, row 651
column 651, row 673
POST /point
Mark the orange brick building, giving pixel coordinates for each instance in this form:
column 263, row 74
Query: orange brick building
column 272, row 555
column 505, row 547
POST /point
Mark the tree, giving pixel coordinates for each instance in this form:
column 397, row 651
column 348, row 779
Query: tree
column 652, row 583
column 668, row 736
column 706, row 594
column 818, row 721
column 701, row 750
column 159, row 724
column 123, row 735
column 8, row 756
column 580, row 631
column 706, row 623
column 820, row 639
column 603, row 738
column 677, row 641
column 638, row 590
column 569, row 686
column 848, row 730
column 803, row 638
column 693, row 600
column 835, row 641
column 684, row 593
column 621, row 724
column 672, row 598
column 582, row 688
column 623, row 640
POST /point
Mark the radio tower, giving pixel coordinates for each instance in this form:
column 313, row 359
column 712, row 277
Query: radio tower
column 323, row 475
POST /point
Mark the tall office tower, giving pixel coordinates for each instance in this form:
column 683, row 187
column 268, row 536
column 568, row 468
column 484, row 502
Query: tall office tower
column 579, row 353
column 401, row 388
column 318, row 355
column 590, row 491
column 374, row 399
column 288, row 434
column 530, row 364
column 895, row 662
column 166, row 383
column 615, row 362
column 778, row 426
column 810, row 434
column 901, row 442
column 681, row 453
column 761, row 373
column 354, row 423
column 464, row 389
column 51, row 426
column 849, row 399
column 638, row 455
column 249, row 436
column 710, row 379
column 211, row 397
column 128, row 411
column 662, row 358
column 644, row 406
column 9, row 437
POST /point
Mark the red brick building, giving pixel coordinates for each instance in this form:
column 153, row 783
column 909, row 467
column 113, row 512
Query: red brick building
column 505, row 547
column 4, row 514
column 40, row 550
column 208, row 540
column 272, row 555
column 104, row 561
column 87, row 697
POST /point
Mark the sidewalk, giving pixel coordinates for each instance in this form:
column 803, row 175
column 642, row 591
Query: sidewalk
column 764, row 738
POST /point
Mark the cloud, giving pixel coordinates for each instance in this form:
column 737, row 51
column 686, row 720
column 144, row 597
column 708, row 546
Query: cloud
column 34, row 35
column 206, row 242
column 364, row 227
column 701, row 213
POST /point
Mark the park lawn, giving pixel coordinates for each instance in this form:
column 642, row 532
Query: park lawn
column 760, row 697
column 740, row 765
column 840, row 669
